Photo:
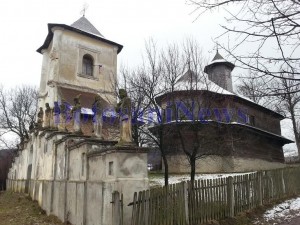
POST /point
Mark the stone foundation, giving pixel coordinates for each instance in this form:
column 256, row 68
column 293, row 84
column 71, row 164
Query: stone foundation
column 217, row 164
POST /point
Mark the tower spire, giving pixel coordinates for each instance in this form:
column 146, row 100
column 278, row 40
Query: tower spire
column 219, row 71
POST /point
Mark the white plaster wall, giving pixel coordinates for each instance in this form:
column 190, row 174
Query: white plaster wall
column 129, row 174
column 35, row 142
column 60, row 162
column 97, row 169
column 77, row 164
column 48, row 160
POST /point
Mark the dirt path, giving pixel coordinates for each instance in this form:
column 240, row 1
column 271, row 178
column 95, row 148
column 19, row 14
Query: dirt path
column 18, row 209
column 294, row 221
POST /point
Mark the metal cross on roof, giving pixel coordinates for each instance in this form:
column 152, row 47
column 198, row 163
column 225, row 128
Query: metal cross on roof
column 217, row 47
column 84, row 9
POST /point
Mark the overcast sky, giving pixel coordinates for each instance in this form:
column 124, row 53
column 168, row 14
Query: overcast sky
column 130, row 23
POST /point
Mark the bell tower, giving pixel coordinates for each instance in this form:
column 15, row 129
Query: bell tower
column 77, row 59
column 219, row 71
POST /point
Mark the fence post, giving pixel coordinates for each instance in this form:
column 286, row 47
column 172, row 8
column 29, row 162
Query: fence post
column 260, row 189
column 248, row 177
column 186, row 203
column 116, row 209
column 230, row 196
column 283, row 182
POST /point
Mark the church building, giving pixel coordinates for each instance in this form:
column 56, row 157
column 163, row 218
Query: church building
column 206, row 122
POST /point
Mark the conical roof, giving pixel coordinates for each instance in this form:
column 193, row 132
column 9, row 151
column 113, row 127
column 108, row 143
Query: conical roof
column 85, row 25
column 218, row 60
column 217, row 56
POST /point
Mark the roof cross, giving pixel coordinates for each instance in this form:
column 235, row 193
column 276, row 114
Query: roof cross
column 84, row 9
column 217, row 47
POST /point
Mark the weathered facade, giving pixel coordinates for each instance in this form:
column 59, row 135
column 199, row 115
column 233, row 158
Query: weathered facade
column 226, row 132
column 68, row 170
column 65, row 51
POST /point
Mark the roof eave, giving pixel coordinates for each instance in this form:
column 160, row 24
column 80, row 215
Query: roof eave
column 284, row 140
column 229, row 64
column 50, row 36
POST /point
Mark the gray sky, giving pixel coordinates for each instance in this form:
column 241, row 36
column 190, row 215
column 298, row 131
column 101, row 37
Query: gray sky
column 130, row 23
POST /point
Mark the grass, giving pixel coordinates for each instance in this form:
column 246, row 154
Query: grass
column 250, row 217
column 19, row 209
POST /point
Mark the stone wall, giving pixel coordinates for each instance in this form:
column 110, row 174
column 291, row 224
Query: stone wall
column 73, row 177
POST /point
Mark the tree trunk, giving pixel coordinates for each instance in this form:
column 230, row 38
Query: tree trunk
column 163, row 154
column 296, row 132
column 193, row 168
column 166, row 175
column 135, row 129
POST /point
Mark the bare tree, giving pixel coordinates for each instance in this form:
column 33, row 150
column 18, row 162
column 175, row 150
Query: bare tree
column 289, row 105
column 162, row 72
column 261, row 26
column 157, row 75
column 17, row 112
column 283, row 99
column 147, row 81
column 6, row 158
column 253, row 87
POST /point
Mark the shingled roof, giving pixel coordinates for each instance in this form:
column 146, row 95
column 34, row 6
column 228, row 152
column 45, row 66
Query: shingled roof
column 85, row 25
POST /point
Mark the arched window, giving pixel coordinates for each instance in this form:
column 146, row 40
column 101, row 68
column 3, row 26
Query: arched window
column 87, row 65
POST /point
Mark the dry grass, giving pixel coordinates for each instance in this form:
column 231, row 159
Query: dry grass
column 19, row 209
column 251, row 217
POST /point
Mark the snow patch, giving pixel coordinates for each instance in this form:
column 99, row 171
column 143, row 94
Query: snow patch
column 173, row 179
column 286, row 210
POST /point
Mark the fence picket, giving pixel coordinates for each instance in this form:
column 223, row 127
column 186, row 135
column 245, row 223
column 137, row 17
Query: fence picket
column 197, row 202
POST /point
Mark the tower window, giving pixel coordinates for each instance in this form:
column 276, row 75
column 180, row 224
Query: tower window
column 87, row 65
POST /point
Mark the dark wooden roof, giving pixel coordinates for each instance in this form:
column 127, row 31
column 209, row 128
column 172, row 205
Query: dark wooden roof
column 233, row 96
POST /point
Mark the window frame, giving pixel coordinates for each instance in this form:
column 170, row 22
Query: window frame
column 87, row 67
column 95, row 55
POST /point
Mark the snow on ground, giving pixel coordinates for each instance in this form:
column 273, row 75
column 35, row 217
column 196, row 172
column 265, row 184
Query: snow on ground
column 158, row 180
column 282, row 212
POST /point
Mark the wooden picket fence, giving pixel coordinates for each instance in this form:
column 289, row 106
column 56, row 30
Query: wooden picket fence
column 200, row 201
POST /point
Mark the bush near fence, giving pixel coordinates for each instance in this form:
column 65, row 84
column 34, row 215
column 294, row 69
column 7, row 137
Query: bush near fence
column 200, row 201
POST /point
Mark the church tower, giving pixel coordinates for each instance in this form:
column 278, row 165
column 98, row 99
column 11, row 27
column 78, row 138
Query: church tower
column 219, row 71
column 77, row 59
